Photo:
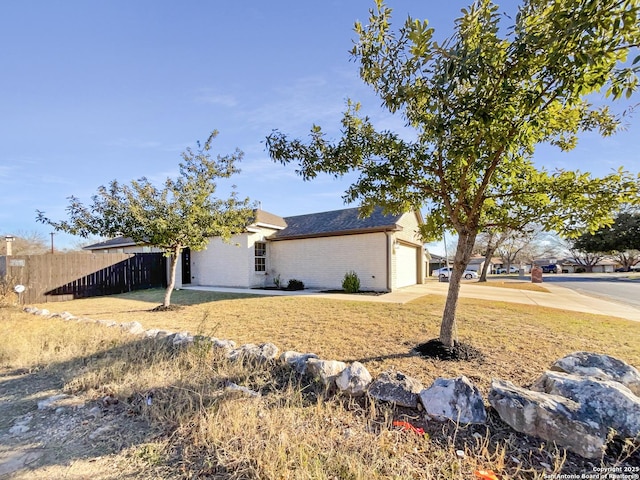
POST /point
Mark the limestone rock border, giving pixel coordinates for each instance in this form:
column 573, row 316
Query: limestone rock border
column 536, row 412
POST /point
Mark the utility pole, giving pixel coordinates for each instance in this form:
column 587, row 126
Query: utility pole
column 52, row 234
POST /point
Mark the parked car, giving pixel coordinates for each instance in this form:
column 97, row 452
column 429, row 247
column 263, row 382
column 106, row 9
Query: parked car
column 444, row 272
column 549, row 268
column 512, row 269
column 633, row 268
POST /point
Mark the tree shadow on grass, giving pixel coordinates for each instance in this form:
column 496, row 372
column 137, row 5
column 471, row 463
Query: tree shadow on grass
column 380, row 358
column 182, row 298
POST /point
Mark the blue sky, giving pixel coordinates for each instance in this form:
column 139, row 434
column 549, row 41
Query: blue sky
column 91, row 91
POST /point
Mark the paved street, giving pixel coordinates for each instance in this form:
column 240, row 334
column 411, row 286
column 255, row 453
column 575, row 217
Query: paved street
column 609, row 286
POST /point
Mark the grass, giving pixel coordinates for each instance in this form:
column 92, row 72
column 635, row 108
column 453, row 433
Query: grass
column 519, row 342
column 293, row 430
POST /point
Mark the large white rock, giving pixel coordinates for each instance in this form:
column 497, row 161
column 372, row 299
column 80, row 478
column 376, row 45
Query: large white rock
column 180, row 338
column 551, row 417
column 157, row 333
column 258, row 353
column 227, row 345
column 454, row 399
column 605, row 404
column 297, row 360
column 396, row 388
column 326, row 370
column 603, row 367
column 134, row 328
column 354, row 380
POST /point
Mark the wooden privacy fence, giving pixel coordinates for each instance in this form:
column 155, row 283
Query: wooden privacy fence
column 59, row 277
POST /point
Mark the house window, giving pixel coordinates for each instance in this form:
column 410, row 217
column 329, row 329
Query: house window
column 260, row 256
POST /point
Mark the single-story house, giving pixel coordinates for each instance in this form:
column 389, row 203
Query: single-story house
column 121, row 245
column 436, row 262
column 475, row 264
column 571, row 265
column 317, row 248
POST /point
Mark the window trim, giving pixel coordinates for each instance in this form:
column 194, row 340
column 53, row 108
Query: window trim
column 260, row 257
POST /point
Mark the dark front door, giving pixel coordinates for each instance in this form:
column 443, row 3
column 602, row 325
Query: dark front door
column 186, row 266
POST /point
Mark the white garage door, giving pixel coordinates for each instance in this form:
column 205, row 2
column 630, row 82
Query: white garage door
column 406, row 266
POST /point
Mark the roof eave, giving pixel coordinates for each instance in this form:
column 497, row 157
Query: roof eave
column 359, row 231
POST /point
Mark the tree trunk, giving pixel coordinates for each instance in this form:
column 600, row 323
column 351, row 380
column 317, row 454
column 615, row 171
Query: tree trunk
column 174, row 257
column 485, row 268
column 464, row 248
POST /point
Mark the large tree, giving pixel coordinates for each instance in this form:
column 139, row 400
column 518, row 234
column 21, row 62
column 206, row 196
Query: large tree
column 620, row 240
column 479, row 103
column 182, row 214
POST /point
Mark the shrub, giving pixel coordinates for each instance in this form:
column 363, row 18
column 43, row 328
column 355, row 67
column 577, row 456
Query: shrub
column 295, row 284
column 351, row 282
column 7, row 294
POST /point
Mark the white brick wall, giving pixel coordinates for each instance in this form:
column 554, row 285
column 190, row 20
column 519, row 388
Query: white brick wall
column 318, row 262
column 230, row 264
column 221, row 264
column 322, row 262
column 409, row 233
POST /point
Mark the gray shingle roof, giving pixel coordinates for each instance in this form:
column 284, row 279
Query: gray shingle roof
column 336, row 222
column 113, row 242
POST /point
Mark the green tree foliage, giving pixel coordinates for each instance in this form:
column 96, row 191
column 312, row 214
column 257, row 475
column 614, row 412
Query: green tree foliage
column 479, row 103
column 621, row 239
column 184, row 213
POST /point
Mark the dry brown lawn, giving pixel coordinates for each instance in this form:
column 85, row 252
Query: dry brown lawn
column 519, row 342
column 195, row 428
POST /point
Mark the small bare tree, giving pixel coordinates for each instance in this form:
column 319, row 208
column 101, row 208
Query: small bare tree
column 25, row 243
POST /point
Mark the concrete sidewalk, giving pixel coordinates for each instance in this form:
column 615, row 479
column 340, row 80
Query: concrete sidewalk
column 558, row 297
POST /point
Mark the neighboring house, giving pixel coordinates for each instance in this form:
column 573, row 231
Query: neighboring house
column 318, row 248
column 476, row 264
column 571, row 265
column 436, row 262
column 121, row 245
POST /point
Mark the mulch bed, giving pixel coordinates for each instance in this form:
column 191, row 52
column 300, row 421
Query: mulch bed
column 167, row 308
column 459, row 352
